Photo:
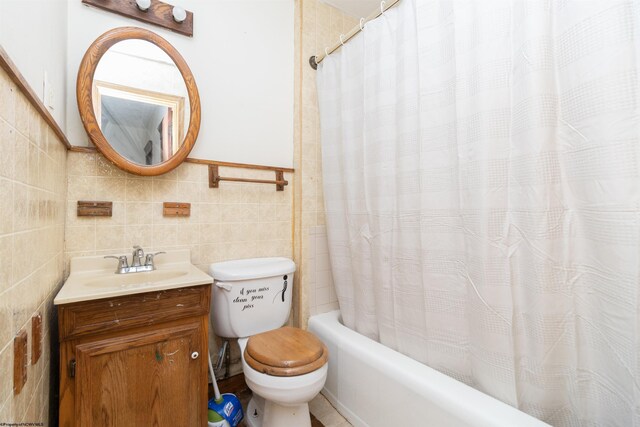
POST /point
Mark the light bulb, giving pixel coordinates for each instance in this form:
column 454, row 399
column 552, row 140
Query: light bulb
column 143, row 5
column 179, row 14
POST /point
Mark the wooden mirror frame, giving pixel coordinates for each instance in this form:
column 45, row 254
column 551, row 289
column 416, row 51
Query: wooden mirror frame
column 84, row 94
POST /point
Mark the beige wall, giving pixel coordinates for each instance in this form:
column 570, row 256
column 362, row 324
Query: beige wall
column 237, row 220
column 32, row 203
column 317, row 26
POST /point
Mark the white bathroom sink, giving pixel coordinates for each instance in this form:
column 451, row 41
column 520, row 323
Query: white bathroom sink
column 94, row 277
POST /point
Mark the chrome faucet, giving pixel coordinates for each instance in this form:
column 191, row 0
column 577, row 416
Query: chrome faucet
column 136, row 261
column 136, row 256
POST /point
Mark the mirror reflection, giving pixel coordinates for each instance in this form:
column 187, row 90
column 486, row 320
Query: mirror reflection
column 139, row 99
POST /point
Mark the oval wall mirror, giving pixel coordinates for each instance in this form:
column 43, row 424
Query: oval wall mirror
column 138, row 101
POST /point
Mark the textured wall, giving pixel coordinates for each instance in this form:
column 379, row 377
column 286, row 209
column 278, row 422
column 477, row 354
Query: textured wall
column 237, row 220
column 317, row 26
column 32, row 194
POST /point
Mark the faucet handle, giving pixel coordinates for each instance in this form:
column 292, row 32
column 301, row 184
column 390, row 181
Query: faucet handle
column 149, row 259
column 122, row 261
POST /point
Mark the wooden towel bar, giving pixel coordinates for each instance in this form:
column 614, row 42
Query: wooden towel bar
column 215, row 178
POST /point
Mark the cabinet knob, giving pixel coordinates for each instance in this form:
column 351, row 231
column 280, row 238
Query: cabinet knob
column 195, row 355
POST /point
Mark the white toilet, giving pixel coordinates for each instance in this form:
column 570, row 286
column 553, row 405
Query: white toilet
column 285, row 367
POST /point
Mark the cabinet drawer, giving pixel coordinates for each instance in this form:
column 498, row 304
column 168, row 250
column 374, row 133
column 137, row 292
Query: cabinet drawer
column 130, row 311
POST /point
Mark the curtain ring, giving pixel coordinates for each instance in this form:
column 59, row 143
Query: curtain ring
column 382, row 4
column 361, row 24
column 341, row 41
column 325, row 52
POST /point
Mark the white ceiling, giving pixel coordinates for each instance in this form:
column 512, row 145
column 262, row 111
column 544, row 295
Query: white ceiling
column 355, row 8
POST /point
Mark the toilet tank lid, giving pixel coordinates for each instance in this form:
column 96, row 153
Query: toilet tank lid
column 251, row 268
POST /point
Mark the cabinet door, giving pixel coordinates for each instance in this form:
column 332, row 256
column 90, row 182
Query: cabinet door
column 143, row 379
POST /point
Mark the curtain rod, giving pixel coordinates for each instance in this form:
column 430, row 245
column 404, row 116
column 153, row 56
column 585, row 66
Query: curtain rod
column 384, row 6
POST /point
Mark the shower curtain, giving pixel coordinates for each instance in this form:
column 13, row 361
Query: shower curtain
column 481, row 184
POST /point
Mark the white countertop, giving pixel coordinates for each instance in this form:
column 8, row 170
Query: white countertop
column 94, row 277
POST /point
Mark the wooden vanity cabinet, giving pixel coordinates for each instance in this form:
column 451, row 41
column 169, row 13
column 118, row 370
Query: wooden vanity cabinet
column 135, row 360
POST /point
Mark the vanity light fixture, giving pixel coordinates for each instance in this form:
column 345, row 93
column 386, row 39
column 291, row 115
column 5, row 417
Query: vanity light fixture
column 179, row 14
column 143, row 5
column 154, row 12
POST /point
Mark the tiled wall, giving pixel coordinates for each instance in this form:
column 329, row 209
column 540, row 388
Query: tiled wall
column 237, row 220
column 317, row 26
column 321, row 294
column 32, row 203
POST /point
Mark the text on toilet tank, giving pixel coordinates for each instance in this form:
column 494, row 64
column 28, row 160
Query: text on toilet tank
column 249, row 296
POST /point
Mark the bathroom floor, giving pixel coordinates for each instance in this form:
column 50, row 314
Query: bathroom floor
column 320, row 407
column 326, row 414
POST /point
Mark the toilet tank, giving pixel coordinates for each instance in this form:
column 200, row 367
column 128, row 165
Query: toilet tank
column 251, row 296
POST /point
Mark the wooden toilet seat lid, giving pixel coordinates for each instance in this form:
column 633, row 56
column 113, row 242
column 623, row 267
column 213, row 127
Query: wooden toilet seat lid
column 285, row 352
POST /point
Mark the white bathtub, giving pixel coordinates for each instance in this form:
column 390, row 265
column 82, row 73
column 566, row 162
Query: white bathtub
column 372, row 385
